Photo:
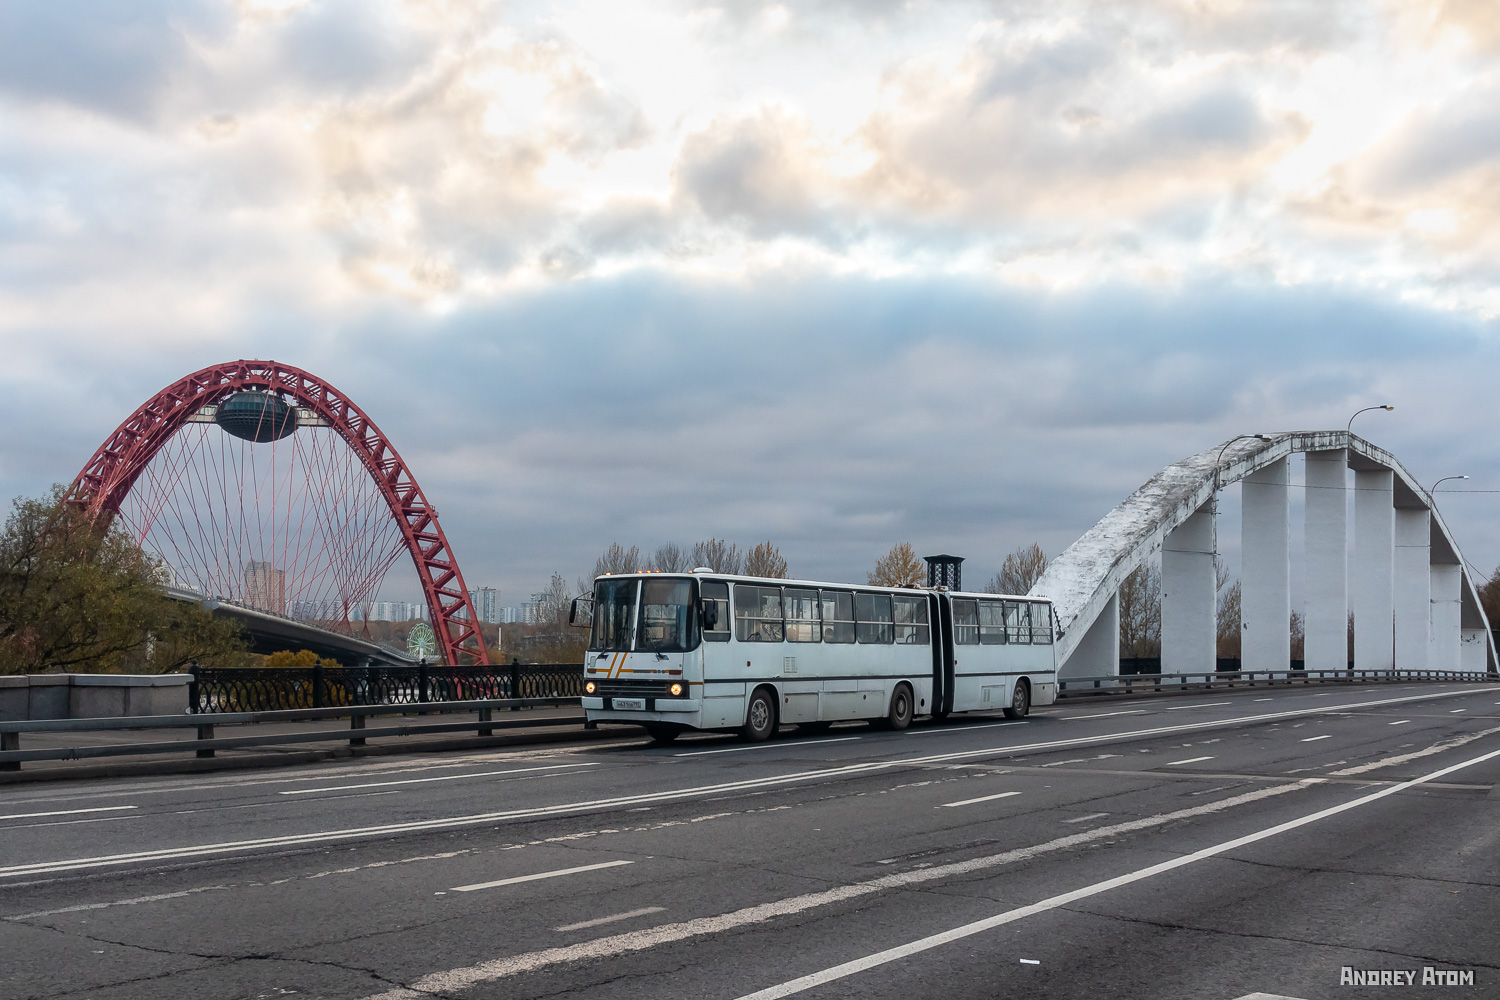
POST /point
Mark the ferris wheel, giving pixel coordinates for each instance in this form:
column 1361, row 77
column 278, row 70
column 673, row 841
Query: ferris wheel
column 421, row 641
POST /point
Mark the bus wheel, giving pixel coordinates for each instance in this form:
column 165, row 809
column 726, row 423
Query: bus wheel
column 899, row 717
column 1020, row 701
column 760, row 720
column 662, row 734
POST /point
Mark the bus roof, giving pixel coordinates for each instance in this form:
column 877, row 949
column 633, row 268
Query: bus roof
column 820, row 584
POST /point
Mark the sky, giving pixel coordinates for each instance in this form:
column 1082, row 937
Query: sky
column 833, row 274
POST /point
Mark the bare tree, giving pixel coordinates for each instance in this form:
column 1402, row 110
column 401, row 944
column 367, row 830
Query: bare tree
column 618, row 559
column 1140, row 612
column 1019, row 572
column 670, row 558
column 1299, row 636
column 765, row 560
column 721, row 557
column 899, row 567
column 1227, row 621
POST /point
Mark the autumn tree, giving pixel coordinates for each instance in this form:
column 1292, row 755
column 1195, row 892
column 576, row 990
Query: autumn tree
column 1489, row 598
column 1140, row 612
column 301, row 658
column 899, row 567
column 78, row 594
column 765, row 560
column 617, row 559
column 1227, row 621
column 721, row 557
column 1020, row 571
column 670, row 558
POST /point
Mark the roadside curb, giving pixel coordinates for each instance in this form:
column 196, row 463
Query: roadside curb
column 195, row 765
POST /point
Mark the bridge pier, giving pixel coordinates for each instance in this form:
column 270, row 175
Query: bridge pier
column 1189, row 591
column 1374, row 524
column 1446, row 639
column 1326, row 603
column 1098, row 652
column 1265, row 557
column 1413, row 587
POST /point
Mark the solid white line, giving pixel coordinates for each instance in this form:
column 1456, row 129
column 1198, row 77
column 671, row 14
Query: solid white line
column 1105, row 715
column 982, row 798
column 1439, row 747
column 565, row 808
column 597, row 921
column 1210, row 704
column 454, row 980
column 68, row 812
column 538, row 876
column 1401, row 723
column 1190, row 760
column 1085, row 819
column 1019, row 913
column 441, row 777
column 965, row 729
column 768, row 746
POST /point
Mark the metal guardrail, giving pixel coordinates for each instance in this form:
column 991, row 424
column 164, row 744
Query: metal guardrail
column 1075, row 687
column 11, row 754
column 266, row 689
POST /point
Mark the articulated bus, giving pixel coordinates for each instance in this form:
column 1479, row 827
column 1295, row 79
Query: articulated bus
column 702, row 650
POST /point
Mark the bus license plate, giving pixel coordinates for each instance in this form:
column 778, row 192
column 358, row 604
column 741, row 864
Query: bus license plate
column 630, row 704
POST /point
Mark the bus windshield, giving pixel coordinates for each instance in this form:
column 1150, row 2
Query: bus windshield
column 614, row 609
column 666, row 616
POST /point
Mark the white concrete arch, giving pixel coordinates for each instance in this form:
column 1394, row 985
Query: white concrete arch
column 1403, row 567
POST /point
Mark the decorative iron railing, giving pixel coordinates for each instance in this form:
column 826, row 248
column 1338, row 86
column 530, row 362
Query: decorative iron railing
column 265, row 689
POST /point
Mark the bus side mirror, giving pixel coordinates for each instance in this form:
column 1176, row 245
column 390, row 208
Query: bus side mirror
column 581, row 608
column 710, row 615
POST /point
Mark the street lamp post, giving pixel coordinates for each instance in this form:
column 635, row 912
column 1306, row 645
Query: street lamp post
column 1349, row 428
column 1220, row 460
column 1434, row 487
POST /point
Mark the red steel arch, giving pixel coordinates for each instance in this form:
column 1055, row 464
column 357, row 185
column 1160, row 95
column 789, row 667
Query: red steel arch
column 104, row 482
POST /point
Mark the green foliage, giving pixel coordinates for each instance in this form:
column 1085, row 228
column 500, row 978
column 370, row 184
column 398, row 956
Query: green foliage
column 79, row 595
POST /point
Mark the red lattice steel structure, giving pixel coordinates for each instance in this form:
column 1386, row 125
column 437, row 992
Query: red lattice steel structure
column 285, row 525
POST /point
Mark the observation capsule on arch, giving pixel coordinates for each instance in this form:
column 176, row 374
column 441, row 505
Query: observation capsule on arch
column 256, row 416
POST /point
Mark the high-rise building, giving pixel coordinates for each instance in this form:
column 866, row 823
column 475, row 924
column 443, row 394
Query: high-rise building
column 265, row 587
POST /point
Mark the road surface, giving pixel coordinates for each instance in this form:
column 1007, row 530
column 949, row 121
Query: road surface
column 1265, row 841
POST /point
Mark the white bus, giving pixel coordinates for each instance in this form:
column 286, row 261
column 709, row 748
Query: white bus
column 702, row 650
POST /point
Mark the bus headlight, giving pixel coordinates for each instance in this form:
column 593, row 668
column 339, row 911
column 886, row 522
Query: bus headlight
column 676, row 690
column 588, row 688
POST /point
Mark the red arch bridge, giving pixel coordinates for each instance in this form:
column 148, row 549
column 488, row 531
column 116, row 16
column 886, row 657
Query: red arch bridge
column 271, row 496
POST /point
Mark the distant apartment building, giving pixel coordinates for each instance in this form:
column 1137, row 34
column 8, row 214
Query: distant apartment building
column 265, row 587
column 392, row 611
column 508, row 615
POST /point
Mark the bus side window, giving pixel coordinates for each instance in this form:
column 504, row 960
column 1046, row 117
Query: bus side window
column 838, row 616
column 802, row 615
column 991, row 623
column 717, row 592
column 1041, row 624
column 757, row 613
column 965, row 622
column 1018, row 622
column 911, row 620
column 872, row 615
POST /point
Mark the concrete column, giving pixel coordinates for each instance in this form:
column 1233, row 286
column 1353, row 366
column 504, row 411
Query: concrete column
column 1189, row 592
column 1371, row 574
column 1326, row 601
column 1412, row 564
column 1265, row 565
column 1098, row 652
column 1443, row 651
column 1475, row 653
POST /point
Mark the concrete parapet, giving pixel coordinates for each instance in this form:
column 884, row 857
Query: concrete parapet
column 109, row 696
column 92, row 696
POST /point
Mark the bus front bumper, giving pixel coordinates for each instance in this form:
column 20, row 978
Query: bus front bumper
column 652, row 706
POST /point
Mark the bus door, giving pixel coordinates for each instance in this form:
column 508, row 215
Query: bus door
column 942, row 653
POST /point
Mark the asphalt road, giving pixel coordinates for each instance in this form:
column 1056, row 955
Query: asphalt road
column 1200, row 847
